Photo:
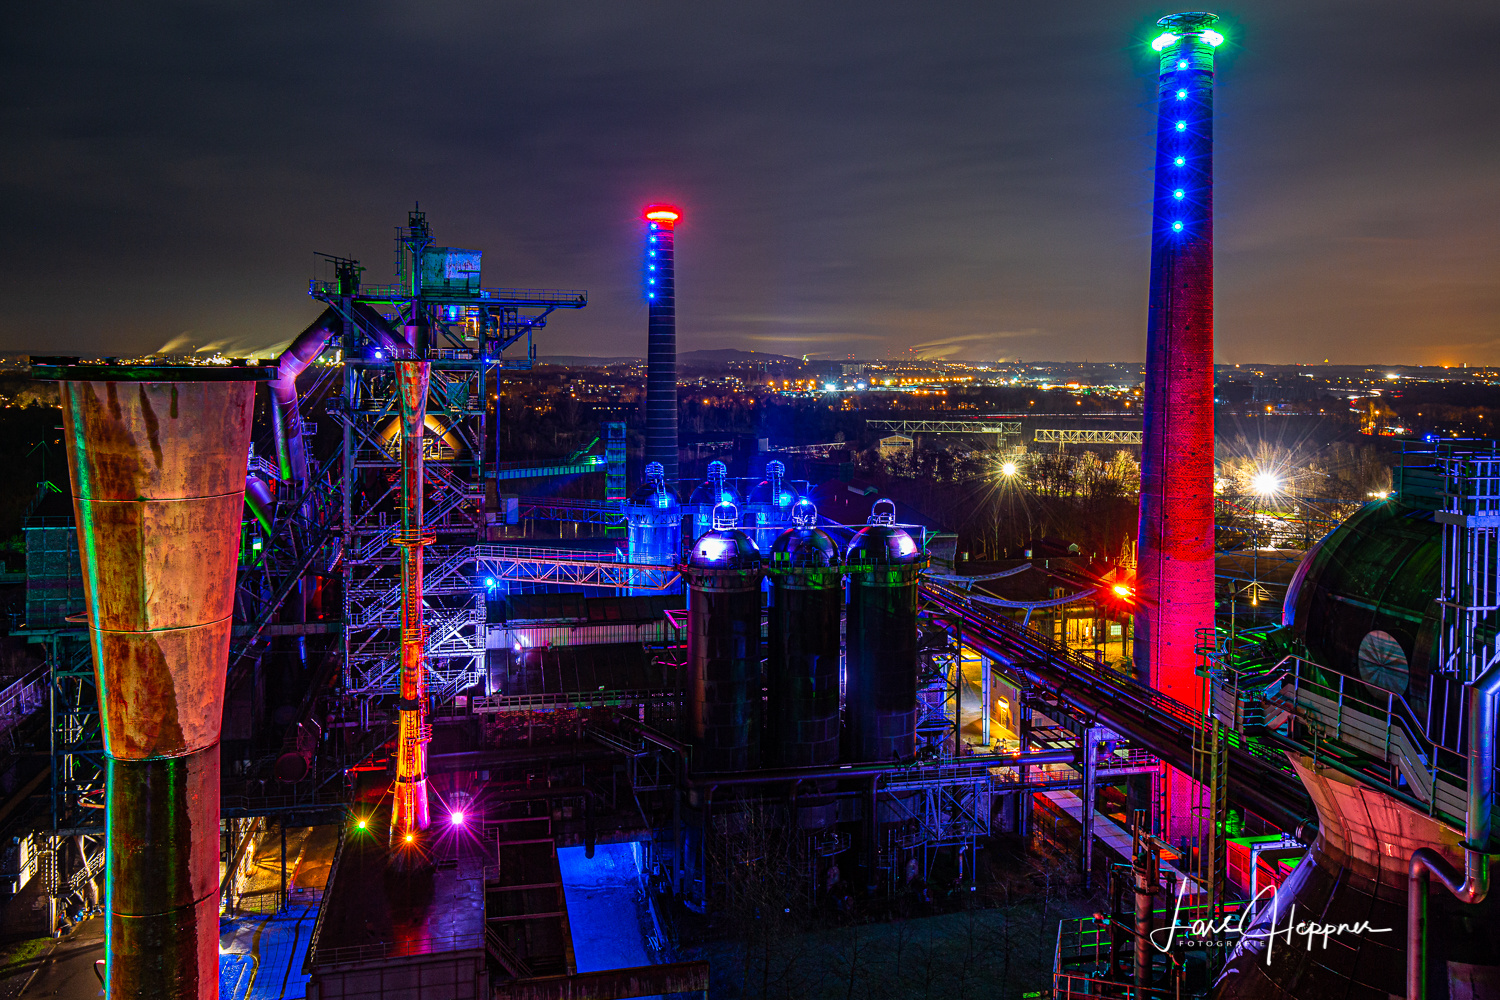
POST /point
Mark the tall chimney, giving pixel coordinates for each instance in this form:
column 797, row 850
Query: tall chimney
column 1175, row 588
column 158, row 458
column 661, row 341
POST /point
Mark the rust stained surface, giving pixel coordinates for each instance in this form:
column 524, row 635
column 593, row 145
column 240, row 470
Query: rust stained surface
column 157, row 440
column 158, row 472
column 165, row 689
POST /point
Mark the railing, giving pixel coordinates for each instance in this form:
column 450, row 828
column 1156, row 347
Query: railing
column 22, row 697
column 354, row 953
column 1383, row 728
column 558, row 297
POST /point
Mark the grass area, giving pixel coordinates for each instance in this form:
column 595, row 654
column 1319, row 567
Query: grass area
column 18, row 959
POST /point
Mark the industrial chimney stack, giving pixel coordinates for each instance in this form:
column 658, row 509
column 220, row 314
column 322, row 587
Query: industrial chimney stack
column 1176, row 549
column 661, row 341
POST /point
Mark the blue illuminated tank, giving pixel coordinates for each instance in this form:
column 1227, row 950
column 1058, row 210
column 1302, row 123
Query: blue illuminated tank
column 714, row 490
column 770, row 504
column 802, row 668
column 880, row 676
column 653, row 524
column 723, row 571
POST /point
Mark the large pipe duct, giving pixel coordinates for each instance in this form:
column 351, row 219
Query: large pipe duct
column 410, row 816
column 158, row 458
column 1471, row 885
column 1176, row 543
column 661, row 339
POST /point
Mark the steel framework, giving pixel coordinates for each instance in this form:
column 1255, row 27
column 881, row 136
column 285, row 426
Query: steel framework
column 1070, row 435
column 1002, row 427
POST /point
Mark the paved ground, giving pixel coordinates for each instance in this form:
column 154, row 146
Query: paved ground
column 604, row 907
column 67, row 968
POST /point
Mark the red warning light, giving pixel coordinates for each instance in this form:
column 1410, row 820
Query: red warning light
column 667, row 215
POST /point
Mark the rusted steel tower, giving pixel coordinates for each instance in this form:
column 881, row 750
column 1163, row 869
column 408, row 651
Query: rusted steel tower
column 158, row 457
column 1176, row 547
column 409, row 814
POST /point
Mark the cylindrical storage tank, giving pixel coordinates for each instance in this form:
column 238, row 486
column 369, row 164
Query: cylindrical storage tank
column 653, row 520
column 802, row 668
column 880, row 669
column 158, row 458
column 723, row 667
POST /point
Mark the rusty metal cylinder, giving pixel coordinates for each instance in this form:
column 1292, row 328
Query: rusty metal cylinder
column 410, row 813
column 158, row 458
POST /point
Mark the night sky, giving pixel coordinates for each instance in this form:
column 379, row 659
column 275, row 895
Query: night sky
column 968, row 180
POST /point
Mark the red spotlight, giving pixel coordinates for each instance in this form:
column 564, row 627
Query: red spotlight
column 665, row 215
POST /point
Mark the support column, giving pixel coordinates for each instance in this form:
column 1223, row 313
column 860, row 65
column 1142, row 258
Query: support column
column 157, row 457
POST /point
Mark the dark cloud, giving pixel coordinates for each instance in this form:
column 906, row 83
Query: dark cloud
column 856, row 178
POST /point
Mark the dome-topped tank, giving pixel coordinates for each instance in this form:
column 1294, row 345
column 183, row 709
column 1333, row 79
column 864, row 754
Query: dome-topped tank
column 1364, row 600
column 723, row 666
column 716, row 488
column 880, row 676
column 1363, row 604
column 653, row 525
column 807, row 599
column 805, row 546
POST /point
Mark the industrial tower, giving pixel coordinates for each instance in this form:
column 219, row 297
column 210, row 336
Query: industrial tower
column 661, row 340
column 1176, row 561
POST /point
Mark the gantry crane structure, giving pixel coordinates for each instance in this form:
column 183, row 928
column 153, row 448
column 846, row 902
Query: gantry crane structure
column 471, row 329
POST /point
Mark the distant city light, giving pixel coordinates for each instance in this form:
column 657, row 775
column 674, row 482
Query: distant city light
column 1008, row 469
column 829, row 386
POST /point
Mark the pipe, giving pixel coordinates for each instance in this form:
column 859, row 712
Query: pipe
column 409, row 814
column 286, row 417
column 157, row 457
column 259, row 500
column 1474, row 885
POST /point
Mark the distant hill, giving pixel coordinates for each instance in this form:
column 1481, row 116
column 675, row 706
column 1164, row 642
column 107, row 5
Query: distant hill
column 583, row 361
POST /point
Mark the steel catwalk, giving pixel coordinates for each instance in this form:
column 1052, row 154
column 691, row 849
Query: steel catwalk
column 158, row 460
column 1176, row 540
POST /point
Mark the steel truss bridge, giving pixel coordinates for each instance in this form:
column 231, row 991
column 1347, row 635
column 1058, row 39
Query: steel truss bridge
column 1002, row 427
column 1072, row 435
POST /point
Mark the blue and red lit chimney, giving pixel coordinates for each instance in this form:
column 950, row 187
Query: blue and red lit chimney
column 661, row 340
column 1175, row 587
